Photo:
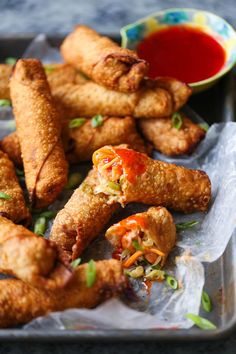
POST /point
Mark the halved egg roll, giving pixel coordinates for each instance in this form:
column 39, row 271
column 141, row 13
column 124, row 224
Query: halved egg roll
column 127, row 176
column 11, row 146
column 82, row 218
column 5, row 72
column 169, row 140
column 12, row 202
column 143, row 238
column 103, row 60
column 114, row 131
column 20, row 303
column 30, row 257
column 150, row 101
column 39, row 130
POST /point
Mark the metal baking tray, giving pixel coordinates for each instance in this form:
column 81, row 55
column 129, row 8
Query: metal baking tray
column 214, row 105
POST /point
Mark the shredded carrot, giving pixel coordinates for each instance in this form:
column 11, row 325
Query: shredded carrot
column 155, row 250
column 132, row 259
column 108, row 164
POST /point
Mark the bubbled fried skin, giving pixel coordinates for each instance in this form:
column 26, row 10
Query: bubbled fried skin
column 14, row 207
column 82, row 218
column 5, row 72
column 150, row 101
column 103, row 60
column 39, row 130
column 114, row 131
column 30, row 257
column 11, row 146
column 20, row 303
column 171, row 141
column 159, row 183
column 159, row 227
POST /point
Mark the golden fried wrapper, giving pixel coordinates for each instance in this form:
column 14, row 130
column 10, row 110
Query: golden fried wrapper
column 39, row 130
column 130, row 176
column 86, row 139
column 169, row 140
column 5, row 72
column 11, row 146
column 151, row 231
column 30, row 257
column 20, row 303
column 150, row 101
column 12, row 203
column 82, row 218
column 103, row 60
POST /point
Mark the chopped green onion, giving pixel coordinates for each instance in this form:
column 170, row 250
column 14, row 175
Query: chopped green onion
column 5, row 103
column 155, row 274
column 97, row 121
column 201, row 322
column 19, row 173
column 137, row 246
column 186, row 225
column 77, row 122
column 172, row 282
column 113, row 185
column 49, row 214
column 10, row 60
column 206, row 302
column 5, row 196
column 49, row 69
column 204, row 126
column 74, row 180
column 177, row 120
column 91, row 273
column 136, row 272
column 40, row 226
column 75, row 263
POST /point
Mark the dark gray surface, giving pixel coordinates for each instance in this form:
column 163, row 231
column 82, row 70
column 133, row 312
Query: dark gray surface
column 59, row 16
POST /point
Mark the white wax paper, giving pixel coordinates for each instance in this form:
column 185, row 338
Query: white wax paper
column 164, row 308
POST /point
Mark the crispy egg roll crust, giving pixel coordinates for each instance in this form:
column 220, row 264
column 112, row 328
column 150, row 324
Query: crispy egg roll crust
column 162, row 183
column 11, row 146
column 5, row 72
column 160, row 227
column 82, row 218
column 30, row 257
column 114, row 131
column 103, row 60
column 13, row 208
column 20, row 303
column 150, row 101
column 80, row 143
column 39, row 130
column 169, row 140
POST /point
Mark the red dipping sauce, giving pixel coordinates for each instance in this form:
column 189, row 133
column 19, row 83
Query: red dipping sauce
column 182, row 52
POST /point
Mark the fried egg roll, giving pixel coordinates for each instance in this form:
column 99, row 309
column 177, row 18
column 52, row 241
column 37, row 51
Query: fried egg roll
column 11, row 146
column 20, row 303
column 30, row 257
column 5, row 72
column 12, row 203
column 39, row 130
column 146, row 236
column 171, row 141
column 82, row 218
column 103, row 60
column 127, row 176
column 150, row 101
column 86, row 139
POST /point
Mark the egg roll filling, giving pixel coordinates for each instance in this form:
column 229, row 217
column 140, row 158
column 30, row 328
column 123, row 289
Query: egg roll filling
column 142, row 242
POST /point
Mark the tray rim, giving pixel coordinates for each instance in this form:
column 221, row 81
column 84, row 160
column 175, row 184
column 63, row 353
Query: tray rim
column 123, row 335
